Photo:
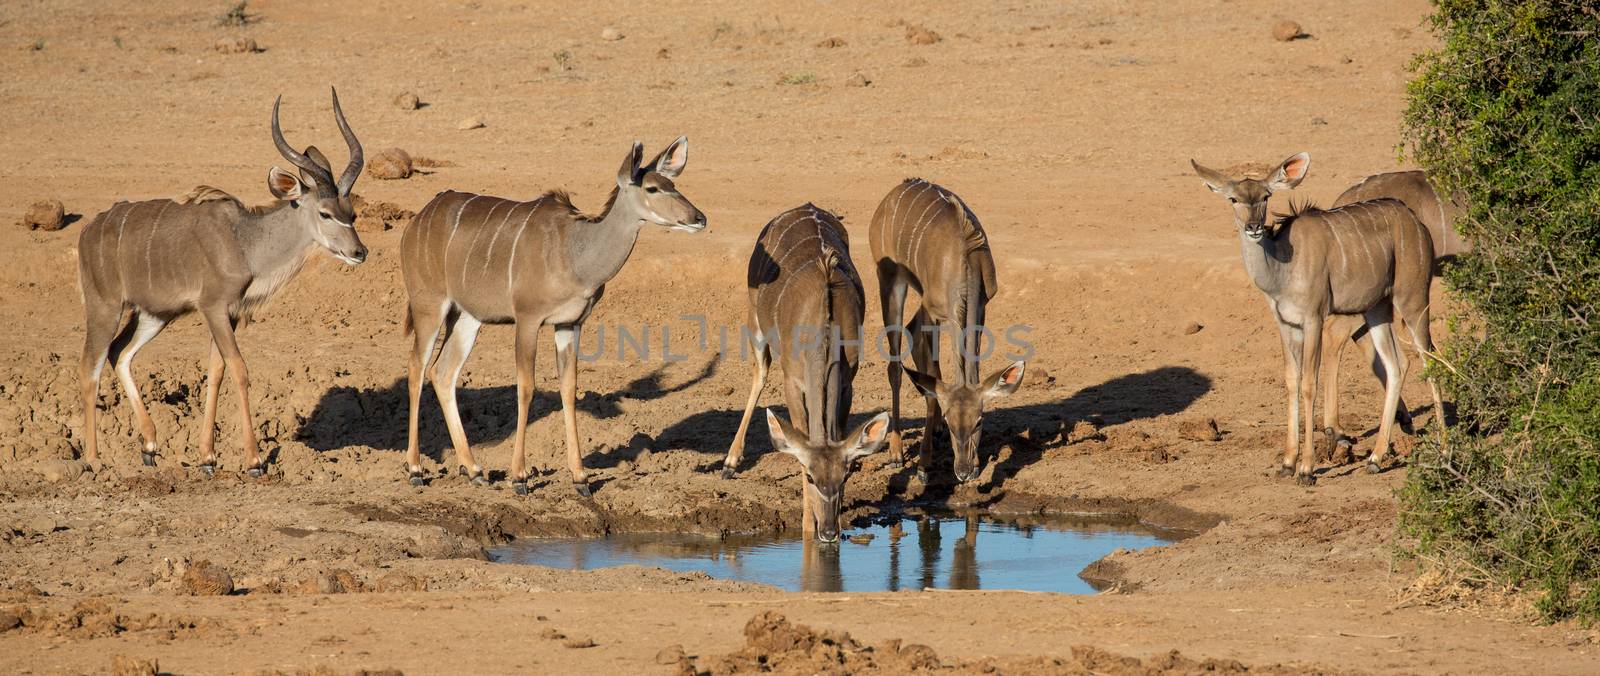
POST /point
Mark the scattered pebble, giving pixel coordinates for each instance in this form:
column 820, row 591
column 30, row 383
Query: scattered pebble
column 45, row 215
column 204, row 578
column 915, row 62
column 611, row 34
column 123, row 665
column 1319, row 121
column 1192, row 328
column 552, row 634
column 831, row 43
column 10, row 620
column 407, row 101
column 579, row 643
column 671, row 654
column 396, row 581
column 918, row 34
column 237, row 45
column 389, row 164
column 1286, row 30
column 1042, row 375
column 859, row 79
column 473, row 122
column 1195, row 429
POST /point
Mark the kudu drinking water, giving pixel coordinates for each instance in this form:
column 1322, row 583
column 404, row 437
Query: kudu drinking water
column 924, row 237
column 470, row 260
column 208, row 253
column 1374, row 259
column 807, row 305
column 1439, row 215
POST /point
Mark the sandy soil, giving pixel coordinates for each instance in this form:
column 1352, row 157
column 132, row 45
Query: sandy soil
column 1067, row 128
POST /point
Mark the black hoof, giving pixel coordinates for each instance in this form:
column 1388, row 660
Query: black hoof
column 922, row 476
column 480, row 479
column 148, row 458
column 1306, row 480
column 209, row 470
column 583, row 488
column 1285, row 472
column 416, row 480
column 255, row 472
column 519, row 487
column 1373, row 468
column 727, row 472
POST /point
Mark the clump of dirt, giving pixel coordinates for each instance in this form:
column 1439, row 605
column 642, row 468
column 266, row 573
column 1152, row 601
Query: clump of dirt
column 390, row 164
column 325, row 670
column 123, row 665
column 1136, row 443
column 45, row 215
column 95, row 618
column 918, row 34
column 377, row 215
column 204, row 578
column 773, row 644
column 1285, row 30
column 831, row 43
column 429, row 163
column 397, row 581
column 1319, row 526
column 407, row 101
column 332, row 581
column 237, row 45
column 1199, row 429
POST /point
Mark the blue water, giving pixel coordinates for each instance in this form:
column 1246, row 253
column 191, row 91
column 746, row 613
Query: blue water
column 946, row 552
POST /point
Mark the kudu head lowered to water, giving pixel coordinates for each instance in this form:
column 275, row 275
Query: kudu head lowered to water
column 827, row 464
column 961, row 406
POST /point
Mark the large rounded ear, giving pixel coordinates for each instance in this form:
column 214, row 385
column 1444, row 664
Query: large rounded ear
column 868, row 438
column 284, row 185
column 628, row 174
column 1215, row 180
column 673, row 159
column 1291, row 172
column 785, row 438
column 1003, row 383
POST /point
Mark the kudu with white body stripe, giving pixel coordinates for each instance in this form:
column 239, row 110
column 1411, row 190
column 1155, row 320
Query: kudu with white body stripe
column 1373, row 259
column 807, row 304
column 924, row 237
column 206, row 253
column 470, row 260
column 1439, row 215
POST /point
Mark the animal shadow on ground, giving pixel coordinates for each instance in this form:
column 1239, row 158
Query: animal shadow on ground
column 376, row 417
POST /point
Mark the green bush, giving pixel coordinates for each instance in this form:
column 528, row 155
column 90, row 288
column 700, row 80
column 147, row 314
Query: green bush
column 1507, row 112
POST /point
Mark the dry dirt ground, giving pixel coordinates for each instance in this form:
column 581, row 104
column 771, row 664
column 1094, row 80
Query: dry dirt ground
column 1067, row 127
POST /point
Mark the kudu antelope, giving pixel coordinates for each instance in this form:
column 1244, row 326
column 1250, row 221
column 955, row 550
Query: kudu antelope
column 1374, row 259
column 529, row 264
column 807, row 304
column 208, row 253
column 1413, row 188
column 924, row 237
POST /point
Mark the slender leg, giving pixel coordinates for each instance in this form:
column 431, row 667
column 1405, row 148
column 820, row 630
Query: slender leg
column 1310, row 363
column 1381, row 329
column 808, row 516
column 925, row 354
column 425, row 324
column 567, row 337
column 892, row 299
column 527, row 349
column 1422, row 339
column 221, row 326
column 208, row 424
column 446, row 370
column 100, row 328
column 1292, row 341
column 139, row 331
column 1402, row 414
column 1339, row 332
column 758, row 381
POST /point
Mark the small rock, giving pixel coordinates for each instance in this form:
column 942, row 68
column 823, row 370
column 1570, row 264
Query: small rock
column 122, row 665
column 859, row 79
column 1041, row 375
column 552, row 634
column 611, row 34
column 204, row 578
column 1286, row 30
column 473, row 122
column 671, row 654
column 237, row 45
column 1083, row 430
column 915, row 62
column 1192, row 328
column 407, row 101
column 396, row 581
column 45, row 215
column 918, row 34
column 43, row 525
column 58, row 471
column 1196, row 429
column 831, row 43
column 1319, row 121
column 579, row 643
column 9, row 620
column 389, row 164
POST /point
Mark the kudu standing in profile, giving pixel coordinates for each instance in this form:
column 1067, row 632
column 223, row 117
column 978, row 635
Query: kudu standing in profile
column 1374, row 259
column 208, row 253
column 924, row 237
column 1413, row 188
column 807, row 304
column 529, row 264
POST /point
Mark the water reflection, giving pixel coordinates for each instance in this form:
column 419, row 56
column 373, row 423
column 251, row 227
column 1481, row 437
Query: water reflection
column 1035, row 553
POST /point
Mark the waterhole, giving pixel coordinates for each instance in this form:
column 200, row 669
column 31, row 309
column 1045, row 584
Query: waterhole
column 915, row 551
